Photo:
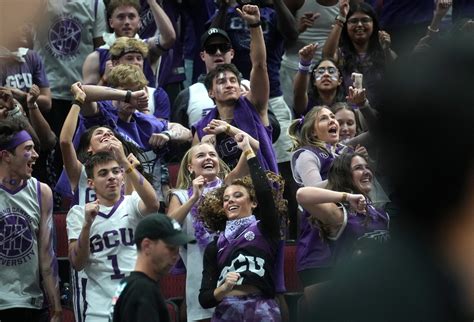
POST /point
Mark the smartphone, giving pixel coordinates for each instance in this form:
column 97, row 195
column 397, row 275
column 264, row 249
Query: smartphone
column 357, row 80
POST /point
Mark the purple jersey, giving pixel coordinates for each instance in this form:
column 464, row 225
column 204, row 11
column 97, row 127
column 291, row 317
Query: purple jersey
column 239, row 34
column 252, row 255
column 359, row 233
column 23, row 75
column 312, row 250
column 104, row 56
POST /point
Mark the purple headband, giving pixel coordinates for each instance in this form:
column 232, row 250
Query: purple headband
column 16, row 140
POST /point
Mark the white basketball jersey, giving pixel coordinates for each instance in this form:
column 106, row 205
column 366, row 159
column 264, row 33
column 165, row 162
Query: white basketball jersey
column 112, row 251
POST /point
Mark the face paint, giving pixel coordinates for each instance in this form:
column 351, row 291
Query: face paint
column 221, row 81
column 27, row 155
column 331, row 77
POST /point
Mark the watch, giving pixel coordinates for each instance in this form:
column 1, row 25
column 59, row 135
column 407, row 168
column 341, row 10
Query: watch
column 341, row 19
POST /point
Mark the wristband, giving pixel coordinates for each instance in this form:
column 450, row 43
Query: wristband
column 130, row 169
column 79, row 99
column 433, row 30
column 227, row 129
column 128, row 96
column 338, row 23
column 341, row 19
column 344, row 197
column 255, row 25
column 249, row 154
column 77, row 102
column 167, row 133
column 304, row 69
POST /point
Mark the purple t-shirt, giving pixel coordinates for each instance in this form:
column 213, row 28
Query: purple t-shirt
column 23, row 75
column 104, row 56
column 162, row 104
column 360, row 233
column 248, row 120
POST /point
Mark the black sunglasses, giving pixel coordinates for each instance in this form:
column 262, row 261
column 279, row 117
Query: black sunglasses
column 212, row 48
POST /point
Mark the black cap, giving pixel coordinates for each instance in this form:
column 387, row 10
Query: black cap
column 213, row 32
column 160, row 226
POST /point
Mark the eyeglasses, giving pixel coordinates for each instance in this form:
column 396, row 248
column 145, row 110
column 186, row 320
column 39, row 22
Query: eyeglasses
column 211, row 49
column 356, row 21
column 321, row 70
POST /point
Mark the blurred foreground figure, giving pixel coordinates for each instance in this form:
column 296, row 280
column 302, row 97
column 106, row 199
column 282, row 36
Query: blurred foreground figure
column 426, row 135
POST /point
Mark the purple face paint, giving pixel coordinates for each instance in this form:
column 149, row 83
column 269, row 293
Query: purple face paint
column 27, row 155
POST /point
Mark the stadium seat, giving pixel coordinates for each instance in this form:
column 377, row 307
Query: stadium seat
column 173, row 286
column 292, row 282
column 173, row 311
column 61, row 235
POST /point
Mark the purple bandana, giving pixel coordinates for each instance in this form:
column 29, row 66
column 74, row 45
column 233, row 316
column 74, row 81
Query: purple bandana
column 234, row 228
column 16, row 140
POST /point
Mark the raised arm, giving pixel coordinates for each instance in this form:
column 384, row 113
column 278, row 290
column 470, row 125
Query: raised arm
column 269, row 221
column 259, row 84
column 302, row 77
column 90, row 69
column 149, row 202
column 72, row 165
column 332, row 42
column 47, row 257
column 101, row 93
column 358, row 97
column 286, row 22
column 219, row 19
column 167, row 35
column 442, row 8
column 37, row 120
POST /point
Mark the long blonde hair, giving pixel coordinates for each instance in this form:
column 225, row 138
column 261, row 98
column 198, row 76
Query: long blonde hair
column 184, row 179
column 301, row 131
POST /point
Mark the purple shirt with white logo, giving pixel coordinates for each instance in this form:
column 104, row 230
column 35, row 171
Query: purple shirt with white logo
column 23, row 75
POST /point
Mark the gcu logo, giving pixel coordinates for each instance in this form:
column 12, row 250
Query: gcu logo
column 111, row 238
column 243, row 264
column 16, row 240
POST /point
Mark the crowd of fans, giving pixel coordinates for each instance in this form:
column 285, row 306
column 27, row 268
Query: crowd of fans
column 272, row 110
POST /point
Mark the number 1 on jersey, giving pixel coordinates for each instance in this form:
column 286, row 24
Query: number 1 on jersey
column 117, row 275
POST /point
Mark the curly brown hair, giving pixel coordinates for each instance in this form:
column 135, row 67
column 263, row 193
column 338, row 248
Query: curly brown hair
column 211, row 210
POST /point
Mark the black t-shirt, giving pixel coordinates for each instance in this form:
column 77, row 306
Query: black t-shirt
column 140, row 300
